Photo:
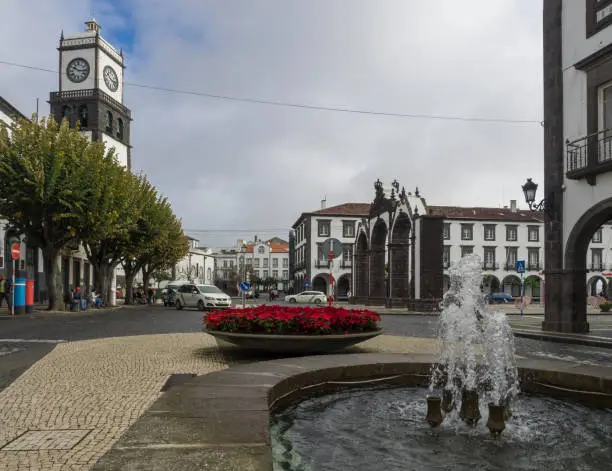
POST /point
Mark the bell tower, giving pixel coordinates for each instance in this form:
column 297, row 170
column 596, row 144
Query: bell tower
column 91, row 89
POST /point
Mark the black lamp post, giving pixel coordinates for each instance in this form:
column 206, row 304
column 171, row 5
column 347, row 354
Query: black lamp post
column 530, row 189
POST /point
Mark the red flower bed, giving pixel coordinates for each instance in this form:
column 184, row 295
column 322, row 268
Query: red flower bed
column 293, row 320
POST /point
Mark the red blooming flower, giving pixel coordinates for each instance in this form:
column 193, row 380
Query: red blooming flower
column 293, row 320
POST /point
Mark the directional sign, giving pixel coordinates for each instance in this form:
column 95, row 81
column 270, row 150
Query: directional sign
column 245, row 286
column 15, row 251
column 520, row 266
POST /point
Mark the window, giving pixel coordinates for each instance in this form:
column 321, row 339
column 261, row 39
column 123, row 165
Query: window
column 261, row 249
column 275, row 263
column 249, row 261
column 109, row 122
column 323, row 228
column 467, row 232
column 321, row 255
column 285, row 262
column 489, row 232
column 67, row 113
column 231, row 264
column 348, row 229
column 446, row 256
column 256, row 263
column 265, row 263
column 275, row 274
column 119, row 128
column 256, row 273
column 598, row 16
column 265, row 274
column 533, row 233
column 347, row 255
column 511, row 233
column 224, row 263
column 533, row 258
column 446, row 231
column 285, row 274
column 511, row 257
column 597, row 236
column 489, row 258
column 83, row 116
column 596, row 259
column 466, row 250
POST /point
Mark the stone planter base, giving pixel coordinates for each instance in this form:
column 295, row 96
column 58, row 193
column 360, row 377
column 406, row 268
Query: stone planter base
column 296, row 344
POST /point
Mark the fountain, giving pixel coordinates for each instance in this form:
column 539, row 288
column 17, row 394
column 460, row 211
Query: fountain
column 475, row 374
column 477, row 358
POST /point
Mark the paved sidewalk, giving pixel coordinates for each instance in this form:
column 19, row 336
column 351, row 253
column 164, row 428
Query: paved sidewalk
column 70, row 407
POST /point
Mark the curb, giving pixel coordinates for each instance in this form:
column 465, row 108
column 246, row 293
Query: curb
column 563, row 338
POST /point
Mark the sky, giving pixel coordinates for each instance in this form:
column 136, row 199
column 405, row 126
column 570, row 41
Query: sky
column 233, row 169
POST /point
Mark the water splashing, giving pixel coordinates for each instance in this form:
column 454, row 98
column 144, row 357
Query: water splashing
column 477, row 346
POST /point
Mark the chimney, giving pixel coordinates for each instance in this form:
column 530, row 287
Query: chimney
column 323, row 203
column 513, row 206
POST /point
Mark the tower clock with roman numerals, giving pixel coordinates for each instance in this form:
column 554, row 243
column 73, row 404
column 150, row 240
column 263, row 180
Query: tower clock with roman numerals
column 91, row 90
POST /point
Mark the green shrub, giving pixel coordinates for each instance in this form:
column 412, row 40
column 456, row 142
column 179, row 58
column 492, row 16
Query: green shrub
column 605, row 306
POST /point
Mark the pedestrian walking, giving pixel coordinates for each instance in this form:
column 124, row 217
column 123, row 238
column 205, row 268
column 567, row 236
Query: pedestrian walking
column 3, row 291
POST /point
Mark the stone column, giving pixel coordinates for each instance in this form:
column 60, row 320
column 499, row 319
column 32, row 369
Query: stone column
column 568, row 312
column 377, row 275
column 399, row 271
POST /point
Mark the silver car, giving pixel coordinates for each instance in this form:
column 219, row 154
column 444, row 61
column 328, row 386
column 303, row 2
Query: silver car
column 202, row 297
column 314, row 297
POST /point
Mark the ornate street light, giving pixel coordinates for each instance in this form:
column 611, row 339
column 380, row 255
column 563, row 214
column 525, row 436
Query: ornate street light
column 530, row 189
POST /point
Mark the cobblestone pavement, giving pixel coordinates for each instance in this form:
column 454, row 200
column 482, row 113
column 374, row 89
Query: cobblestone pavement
column 70, row 407
column 88, row 393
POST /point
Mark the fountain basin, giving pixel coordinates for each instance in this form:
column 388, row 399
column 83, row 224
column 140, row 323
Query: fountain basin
column 230, row 411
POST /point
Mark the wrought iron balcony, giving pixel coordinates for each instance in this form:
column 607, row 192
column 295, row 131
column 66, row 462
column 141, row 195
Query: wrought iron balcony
column 322, row 264
column 596, row 267
column 589, row 155
column 510, row 266
column 534, row 266
column 490, row 266
column 346, row 264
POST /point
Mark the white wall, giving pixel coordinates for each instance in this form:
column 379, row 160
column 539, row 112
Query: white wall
column 579, row 196
column 104, row 59
column 121, row 150
column 66, row 56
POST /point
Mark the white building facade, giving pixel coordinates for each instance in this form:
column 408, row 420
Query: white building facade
column 197, row 266
column 312, row 237
column 266, row 260
column 577, row 150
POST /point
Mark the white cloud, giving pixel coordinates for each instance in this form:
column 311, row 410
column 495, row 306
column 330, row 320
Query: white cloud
column 234, row 164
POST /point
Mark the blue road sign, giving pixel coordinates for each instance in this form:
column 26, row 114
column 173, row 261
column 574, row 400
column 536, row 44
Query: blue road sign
column 244, row 286
column 306, row 284
column 520, row 266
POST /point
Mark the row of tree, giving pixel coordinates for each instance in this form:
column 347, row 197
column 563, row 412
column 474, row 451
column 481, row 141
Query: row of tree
column 61, row 190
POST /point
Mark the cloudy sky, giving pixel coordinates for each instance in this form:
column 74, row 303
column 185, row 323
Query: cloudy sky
column 235, row 169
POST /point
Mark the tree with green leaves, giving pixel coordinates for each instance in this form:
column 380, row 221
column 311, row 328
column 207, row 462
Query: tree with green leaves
column 42, row 195
column 167, row 248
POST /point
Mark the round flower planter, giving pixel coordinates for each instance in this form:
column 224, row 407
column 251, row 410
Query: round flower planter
column 295, row 344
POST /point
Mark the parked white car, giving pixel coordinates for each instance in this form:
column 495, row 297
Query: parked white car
column 315, row 297
column 202, row 297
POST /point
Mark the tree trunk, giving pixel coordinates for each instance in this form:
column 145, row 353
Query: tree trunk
column 129, row 285
column 102, row 281
column 53, row 278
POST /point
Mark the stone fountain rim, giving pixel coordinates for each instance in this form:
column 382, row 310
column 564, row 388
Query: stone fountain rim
column 242, row 399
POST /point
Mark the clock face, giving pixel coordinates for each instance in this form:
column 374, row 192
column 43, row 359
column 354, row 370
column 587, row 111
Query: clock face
column 110, row 78
column 77, row 70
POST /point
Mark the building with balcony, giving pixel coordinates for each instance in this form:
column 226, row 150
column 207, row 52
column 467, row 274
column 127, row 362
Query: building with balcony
column 312, row 237
column 577, row 150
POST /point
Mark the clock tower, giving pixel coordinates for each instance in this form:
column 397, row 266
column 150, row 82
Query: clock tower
column 91, row 90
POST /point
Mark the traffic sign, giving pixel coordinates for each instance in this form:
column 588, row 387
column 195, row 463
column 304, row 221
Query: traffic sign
column 306, row 284
column 520, row 266
column 245, row 286
column 15, row 251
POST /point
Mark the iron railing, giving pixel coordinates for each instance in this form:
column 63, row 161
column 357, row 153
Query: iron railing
column 589, row 150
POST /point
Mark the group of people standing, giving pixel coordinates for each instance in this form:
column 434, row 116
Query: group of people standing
column 77, row 300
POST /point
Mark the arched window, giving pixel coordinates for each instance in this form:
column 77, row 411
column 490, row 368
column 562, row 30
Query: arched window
column 83, row 115
column 66, row 113
column 109, row 122
column 119, row 128
column 261, row 249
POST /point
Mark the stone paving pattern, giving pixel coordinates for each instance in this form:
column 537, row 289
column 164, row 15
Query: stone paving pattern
column 98, row 388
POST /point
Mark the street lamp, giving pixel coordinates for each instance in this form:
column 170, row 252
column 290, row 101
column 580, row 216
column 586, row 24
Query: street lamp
column 530, row 189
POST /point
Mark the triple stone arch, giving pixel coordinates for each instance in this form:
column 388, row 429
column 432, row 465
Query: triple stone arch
column 382, row 261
